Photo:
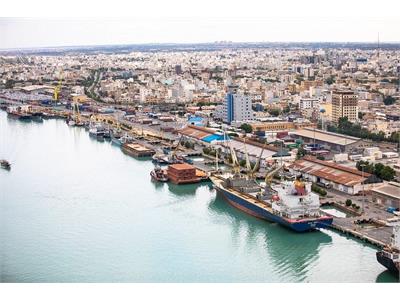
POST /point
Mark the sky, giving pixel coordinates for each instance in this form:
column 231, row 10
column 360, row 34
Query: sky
column 173, row 21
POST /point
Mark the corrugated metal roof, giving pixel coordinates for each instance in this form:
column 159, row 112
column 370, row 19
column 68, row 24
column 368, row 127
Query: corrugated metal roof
column 324, row 136
column 332, row 172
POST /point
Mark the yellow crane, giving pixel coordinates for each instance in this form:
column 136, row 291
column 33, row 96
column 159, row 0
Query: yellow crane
column 57, row 88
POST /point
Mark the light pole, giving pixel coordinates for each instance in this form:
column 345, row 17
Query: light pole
column 363, row 191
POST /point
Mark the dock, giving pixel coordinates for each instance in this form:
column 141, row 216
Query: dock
column 371, row 226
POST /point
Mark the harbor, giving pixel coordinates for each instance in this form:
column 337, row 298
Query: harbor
column 112, row 226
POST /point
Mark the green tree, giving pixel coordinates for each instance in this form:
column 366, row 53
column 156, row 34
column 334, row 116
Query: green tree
column 389, row 100
column 387, row 173
column 274, row 112
column 330, row 80
column 246, row 127
column 300, row 153
column 9, row 84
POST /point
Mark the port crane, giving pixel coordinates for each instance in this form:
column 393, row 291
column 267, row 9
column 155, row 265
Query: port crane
column 57, row 88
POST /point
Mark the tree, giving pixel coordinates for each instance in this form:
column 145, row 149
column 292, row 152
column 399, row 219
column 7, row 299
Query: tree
column 300, row 153
column 330, row 80
column 348, row 202
column 287, row 109
column 387, row 173
column 246, row 127
column 274, row 112
column 379, row 170
column 389, row 100
column 9, row 84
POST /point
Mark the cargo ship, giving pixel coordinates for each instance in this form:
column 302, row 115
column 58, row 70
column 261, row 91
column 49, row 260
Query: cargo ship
column 290, row 203
column 389, row 257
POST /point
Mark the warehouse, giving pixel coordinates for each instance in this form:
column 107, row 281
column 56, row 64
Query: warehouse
column 341, row 178
column 329, row 140
column 387, row 195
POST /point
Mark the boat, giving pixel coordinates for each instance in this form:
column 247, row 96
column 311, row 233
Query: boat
column 137, row 150
column 37, row 116
column 389, row 257
column 96, row 130
column 4, row 164
column 18, row 112
column 159, row 174
column 290, row 203
column 107, row 133
column 120, row 140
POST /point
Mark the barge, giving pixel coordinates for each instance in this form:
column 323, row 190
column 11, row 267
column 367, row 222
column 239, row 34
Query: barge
column 137, row 150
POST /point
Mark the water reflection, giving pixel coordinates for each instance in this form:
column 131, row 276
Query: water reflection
column 182, row 190
column 291, row 253
column 387, row 276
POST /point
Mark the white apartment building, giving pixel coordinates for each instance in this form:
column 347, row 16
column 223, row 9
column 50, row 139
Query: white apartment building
column 237, row 107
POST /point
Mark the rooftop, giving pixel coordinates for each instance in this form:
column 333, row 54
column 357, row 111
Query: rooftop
column 181, row 167
column 391, row 189
column 325, row 136
column 330, row 171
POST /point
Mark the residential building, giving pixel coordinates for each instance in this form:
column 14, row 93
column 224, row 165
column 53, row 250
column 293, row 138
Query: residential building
column 344, row 104
column 237, row 106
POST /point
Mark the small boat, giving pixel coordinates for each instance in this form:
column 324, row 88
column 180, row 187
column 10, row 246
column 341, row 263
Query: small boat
column 5, row 164
column 96, row 130
column 119, row 141
column 107, row 134
column 159, row 174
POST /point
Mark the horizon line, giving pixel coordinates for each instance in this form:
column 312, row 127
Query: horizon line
column 200, row 43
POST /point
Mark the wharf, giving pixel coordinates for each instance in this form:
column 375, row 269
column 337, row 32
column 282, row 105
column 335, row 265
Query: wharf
column 370, row 227
column 375, row 235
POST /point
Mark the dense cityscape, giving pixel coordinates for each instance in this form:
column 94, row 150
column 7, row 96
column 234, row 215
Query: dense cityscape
column 319, row 120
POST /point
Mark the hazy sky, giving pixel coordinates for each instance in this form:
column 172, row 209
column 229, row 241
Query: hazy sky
column 199, row 21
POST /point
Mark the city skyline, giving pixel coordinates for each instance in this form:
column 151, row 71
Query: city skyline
column 67, row 32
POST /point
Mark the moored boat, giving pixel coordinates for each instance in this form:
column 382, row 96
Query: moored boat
column 18, row 112
column 4, row 164
column 389, row 257
column 96, row 130
column 291, row 204
column 159, row 174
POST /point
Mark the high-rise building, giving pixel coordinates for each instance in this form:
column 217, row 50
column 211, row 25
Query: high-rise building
column 178, row 69
column 344, row 104
column 237, row 107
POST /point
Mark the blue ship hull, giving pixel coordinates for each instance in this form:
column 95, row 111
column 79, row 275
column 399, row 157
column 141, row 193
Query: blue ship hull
column 254, row 210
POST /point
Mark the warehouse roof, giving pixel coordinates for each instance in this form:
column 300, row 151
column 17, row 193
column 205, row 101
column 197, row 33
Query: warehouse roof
column 390, row 189
column 330, row 137
column 329, row 171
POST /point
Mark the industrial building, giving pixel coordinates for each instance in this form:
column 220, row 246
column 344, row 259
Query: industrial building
column 329, row 140
column 387, row 195
column 338, row 177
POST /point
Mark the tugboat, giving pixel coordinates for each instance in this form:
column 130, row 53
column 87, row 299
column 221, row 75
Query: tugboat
column 5, row 164
column 159, row 174
column 389, row 257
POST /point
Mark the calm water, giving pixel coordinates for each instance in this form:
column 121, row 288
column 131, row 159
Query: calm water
column 77, row 210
